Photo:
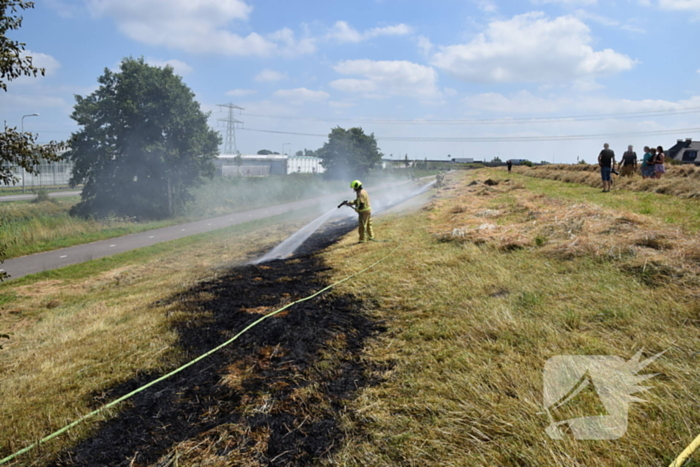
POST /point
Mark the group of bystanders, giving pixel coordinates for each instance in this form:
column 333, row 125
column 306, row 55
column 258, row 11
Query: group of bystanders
column 652, row 164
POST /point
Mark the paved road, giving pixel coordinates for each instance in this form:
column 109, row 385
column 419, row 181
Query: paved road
column 32, row 264
column 56, row 194
column 24, row 265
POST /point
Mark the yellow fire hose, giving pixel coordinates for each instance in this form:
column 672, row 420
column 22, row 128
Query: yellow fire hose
column 687, row 452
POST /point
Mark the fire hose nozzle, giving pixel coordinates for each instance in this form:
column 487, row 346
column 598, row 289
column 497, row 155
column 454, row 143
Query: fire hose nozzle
column 344, row 203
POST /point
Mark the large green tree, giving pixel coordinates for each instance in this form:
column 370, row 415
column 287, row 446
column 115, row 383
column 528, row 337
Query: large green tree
column 144, row 143
column 349, row 153
column 17, row 149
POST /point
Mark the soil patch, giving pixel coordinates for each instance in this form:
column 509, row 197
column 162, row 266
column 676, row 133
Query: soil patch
column 271, row 398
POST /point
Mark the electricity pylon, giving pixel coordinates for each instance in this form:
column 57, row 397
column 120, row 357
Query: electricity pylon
column 230, row 141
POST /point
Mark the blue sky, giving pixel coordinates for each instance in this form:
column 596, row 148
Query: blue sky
column 469, row 78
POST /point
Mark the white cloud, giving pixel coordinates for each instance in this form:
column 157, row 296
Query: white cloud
column 487, row 6
column 241, row 92
column 181, row 68
column 344, row 33
column 604, row 20
column 680, row 4
column 387, row 78
column 39, row 60
column 531, row 48
column 199, row 26
column 301, row 95
column 270, row 76
column 425, row 46
column 630, row 26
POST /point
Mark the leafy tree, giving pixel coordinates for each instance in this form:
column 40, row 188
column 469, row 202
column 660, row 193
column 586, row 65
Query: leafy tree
column 144, row 142
column 349, row 153
column 18, row 149
column 496, row 159
column 264, row 152
column 299, row 153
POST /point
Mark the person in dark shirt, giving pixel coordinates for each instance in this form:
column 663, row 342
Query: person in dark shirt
column 509, row 164
column 628, row 164
column 659, row 168
column 606, row 161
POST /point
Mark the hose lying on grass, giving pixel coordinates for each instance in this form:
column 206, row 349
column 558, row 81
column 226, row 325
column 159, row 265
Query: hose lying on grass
column 687, row 452
column 186, row 365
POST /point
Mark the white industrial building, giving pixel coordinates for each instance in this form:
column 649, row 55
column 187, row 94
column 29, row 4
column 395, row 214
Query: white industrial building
column 258, row 165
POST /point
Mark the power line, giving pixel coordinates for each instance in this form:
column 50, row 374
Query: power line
column 490, row 121
column 498, row 139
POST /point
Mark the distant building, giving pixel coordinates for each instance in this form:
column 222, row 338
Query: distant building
column 518, row 161
column 685, row 151
column 49, row 174
column 304, row 165
column 258, row 165
column 251, row 165
column 463, row 160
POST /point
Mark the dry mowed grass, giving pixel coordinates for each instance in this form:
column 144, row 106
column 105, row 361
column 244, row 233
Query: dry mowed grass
column 679, row 180
column 488, row 284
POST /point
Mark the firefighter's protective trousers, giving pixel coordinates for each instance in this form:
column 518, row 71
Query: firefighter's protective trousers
column 365, row 225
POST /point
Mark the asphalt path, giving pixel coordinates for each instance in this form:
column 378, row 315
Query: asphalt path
column 55, row 194
column 32, row 264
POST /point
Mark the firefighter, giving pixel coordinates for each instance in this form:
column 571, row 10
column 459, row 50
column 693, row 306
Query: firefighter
column 440, row 178
column 362, row 207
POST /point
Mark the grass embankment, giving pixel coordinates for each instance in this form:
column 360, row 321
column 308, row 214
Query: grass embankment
column 79, row 331
column 27, row 227
column 6, row 190
column 682, row 181
column 488, row 283
column 491, row 282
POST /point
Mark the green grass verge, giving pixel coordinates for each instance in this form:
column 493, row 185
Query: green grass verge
column 141, row 255
column 684, row 213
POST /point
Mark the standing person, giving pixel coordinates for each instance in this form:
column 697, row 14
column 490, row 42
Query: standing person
column 606, row 161
column 647, row 163
column 509, row 164
column 628, row 163
column 362, row 207
column 659, row 168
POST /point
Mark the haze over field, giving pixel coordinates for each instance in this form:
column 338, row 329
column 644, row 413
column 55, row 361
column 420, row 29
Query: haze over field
column 407, row 71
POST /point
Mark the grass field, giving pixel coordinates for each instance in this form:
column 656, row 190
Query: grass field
column 488, row 282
